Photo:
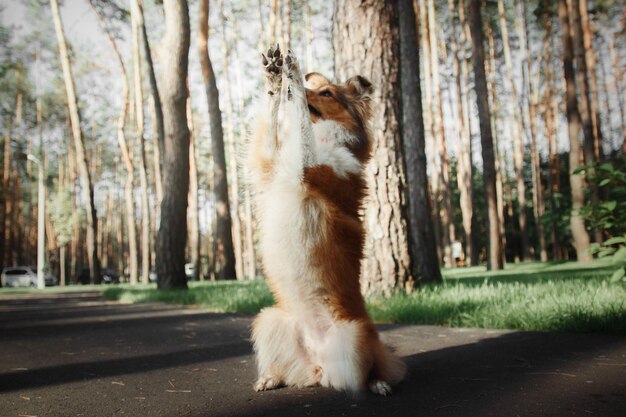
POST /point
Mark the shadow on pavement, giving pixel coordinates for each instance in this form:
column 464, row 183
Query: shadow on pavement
column 517, row 374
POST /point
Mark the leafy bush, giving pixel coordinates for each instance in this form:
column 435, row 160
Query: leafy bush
column 610, row 214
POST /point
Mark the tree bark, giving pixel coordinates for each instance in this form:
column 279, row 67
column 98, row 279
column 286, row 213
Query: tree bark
column 500, row 162
column 133, row 257
column 365, row 40
column 430, row 123
column 172, row 236
column 617, row 79
column 249, row 250
column 584, row 102
column 590, row 60
column 516, row 133
column 579, row 233
column 422, row 248
column 137, row 23
column 287, row 19
column 494, row 256
column 551, row 136
column 464, row 161
column 272, row 22
column 449, row 232
column 224, row 257
column 192, row 210
column 231, row 146
column 533, row 92
column 81, row 155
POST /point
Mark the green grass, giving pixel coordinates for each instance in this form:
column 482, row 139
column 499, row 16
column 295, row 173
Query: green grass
column 530, row 296
column 220, row 297
column 535, row 296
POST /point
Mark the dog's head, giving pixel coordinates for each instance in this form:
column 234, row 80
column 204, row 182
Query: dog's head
column 348, row 104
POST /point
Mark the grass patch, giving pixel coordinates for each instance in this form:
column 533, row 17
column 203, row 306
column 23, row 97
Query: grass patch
column 221, row 297
column 530, row 296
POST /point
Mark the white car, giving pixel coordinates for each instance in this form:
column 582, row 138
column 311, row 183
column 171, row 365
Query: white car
column 24, row 276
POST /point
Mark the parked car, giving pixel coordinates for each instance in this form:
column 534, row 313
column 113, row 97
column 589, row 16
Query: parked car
column 109, row 276
column 24, row 276
column 189, row 270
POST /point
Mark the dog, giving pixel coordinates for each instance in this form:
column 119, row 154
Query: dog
column 307, row 157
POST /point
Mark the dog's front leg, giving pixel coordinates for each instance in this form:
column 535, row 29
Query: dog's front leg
column 296, row 119
column 273, row 68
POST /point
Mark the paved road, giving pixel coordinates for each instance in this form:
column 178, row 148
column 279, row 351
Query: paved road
column 76, row 354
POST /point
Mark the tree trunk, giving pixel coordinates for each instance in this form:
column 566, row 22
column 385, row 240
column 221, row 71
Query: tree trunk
column 464, row 158
column 172, row 236
column 617, row 79
column 494, row 256
column 584, row 102
column 365, row 37
column 551, row 136
column 224, row 257
column 232, row 152
column 533, row 93
column 579, row 233
column 590, row 60
column 157, row 120
column 81, row 155
column 272, row 23
column 192, row 210
column 309, row 37
column 133, row 257
column 250, row 255
column 287, row 19
column 7, row 201
column 449, row 233
column 500, row 163
column 421, row 239
column 516, row 133
column 430, row 123
column 137, row 24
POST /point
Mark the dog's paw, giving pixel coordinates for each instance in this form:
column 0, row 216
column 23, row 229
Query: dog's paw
column 266, row 383
column 380, row 387
column 292, row 71
column 273, row 68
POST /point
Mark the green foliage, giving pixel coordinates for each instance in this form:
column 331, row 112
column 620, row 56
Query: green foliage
column 610, row 213
column 62, row 216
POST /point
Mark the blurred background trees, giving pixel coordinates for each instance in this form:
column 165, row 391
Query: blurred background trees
column 143, row 128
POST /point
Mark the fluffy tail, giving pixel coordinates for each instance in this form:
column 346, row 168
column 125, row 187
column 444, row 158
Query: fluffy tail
column 388, row 366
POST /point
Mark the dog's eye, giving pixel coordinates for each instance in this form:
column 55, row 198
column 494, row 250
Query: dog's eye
column 326, row 93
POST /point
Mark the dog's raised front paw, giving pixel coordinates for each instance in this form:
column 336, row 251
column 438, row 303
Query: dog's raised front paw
column 273, row 67
column 292, row 71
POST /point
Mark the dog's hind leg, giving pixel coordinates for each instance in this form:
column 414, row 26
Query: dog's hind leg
column 281, row 356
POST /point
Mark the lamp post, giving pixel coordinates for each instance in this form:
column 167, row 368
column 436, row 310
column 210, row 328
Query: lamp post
column 41, row 216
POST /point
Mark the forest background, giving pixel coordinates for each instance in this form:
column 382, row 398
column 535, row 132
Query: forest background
column 91, row 90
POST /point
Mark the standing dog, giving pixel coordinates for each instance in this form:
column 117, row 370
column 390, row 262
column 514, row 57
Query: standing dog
column 307, row 158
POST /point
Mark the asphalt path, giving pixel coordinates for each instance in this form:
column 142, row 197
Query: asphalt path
column 77, row 354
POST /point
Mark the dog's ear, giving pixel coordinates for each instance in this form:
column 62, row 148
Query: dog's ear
column 361, row 89
column 315, row 80
column 360, row 86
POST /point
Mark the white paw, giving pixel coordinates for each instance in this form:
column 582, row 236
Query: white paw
column 266, row 383
column 380, row 387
